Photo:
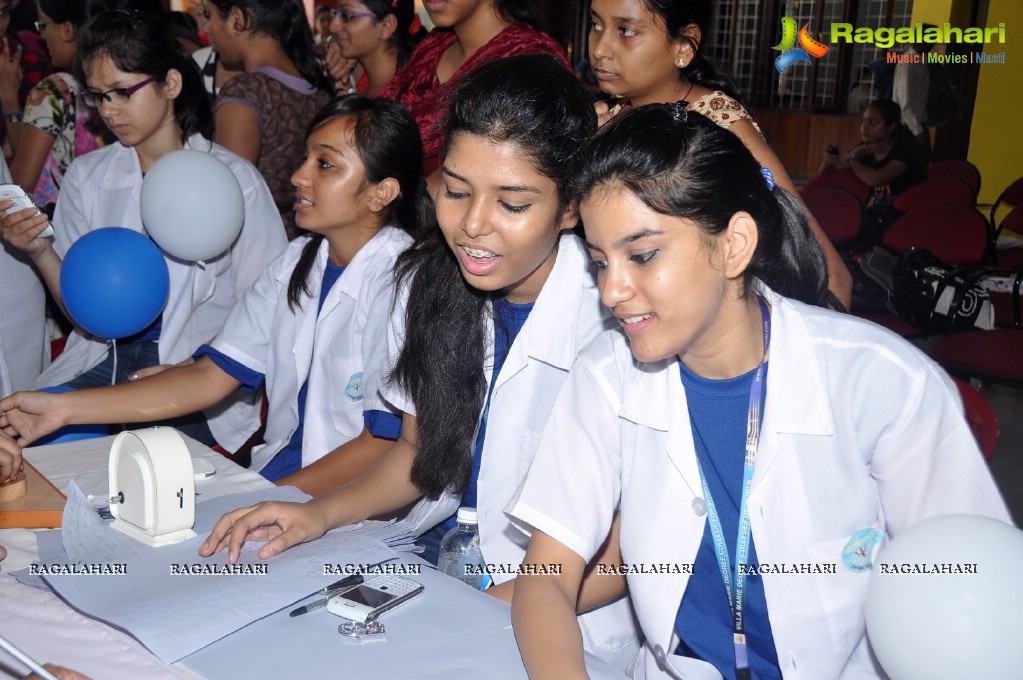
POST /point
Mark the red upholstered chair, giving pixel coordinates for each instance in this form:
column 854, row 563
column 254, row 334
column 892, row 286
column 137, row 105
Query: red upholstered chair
column 840, row 178
column 837, row 210
column 1011, row 197
column 981, row 416
column 1014, row 223
column 964, row 171
column 994, row 355
column 954, row 233
column 934, row 192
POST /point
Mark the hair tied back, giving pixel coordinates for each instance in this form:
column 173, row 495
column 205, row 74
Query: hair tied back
column 768, row 177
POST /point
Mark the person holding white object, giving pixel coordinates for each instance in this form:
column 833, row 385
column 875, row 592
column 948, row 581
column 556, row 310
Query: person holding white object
column 150, row 95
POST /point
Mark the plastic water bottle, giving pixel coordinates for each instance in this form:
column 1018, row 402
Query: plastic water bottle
column 460, row 554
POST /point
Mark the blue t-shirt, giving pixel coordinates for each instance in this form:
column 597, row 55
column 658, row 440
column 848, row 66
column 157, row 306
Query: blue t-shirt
column 718, row 410
column 509, row 318
column 289, row 459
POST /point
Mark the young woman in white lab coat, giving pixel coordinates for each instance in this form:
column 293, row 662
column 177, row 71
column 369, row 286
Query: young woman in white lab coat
column 313, row 325
column 850, row 435
column 149, row 95
column 502, row 261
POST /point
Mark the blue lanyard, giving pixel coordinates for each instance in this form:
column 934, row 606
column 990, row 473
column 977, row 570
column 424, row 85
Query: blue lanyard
column 736, row 598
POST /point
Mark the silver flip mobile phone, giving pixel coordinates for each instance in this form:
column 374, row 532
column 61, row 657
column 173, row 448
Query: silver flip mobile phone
column 368, row 600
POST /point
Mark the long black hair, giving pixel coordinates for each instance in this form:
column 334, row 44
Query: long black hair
column 519, row 11
column 285, row 22
column 441, row 365
column 140, row 42
column 387, row 140
column 683, row 165
column 410, row 29
column 676, row 16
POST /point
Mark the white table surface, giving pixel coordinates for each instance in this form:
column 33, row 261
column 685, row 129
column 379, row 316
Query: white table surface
column 448, row 631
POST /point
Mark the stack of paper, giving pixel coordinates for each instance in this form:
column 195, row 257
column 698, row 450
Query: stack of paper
column 174, row 601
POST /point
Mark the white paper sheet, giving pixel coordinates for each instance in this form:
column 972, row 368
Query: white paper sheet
column 177, row 614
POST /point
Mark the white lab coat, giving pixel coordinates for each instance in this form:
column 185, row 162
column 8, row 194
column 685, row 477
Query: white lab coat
column 101, row 189
column 22, row 315
column 340, row 350
column 565, row 317
column 860, row 430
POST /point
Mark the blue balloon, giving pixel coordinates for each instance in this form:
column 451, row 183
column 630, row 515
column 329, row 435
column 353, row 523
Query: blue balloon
column 114, row 282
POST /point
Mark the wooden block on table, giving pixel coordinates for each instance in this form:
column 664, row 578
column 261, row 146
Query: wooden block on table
column 40, row 507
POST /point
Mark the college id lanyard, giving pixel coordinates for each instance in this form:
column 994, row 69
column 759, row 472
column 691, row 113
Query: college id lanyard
column 736, row 598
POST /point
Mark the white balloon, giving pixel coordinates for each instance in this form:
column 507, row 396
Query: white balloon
column 949, row 626
column 192, row 205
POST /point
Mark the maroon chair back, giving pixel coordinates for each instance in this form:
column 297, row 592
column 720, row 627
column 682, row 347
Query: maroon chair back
column 964, row 171
column 840, row 178
column 980, row 415
column 934, row 192
column 1012, row 196
column 837, row 210
column 954, row 233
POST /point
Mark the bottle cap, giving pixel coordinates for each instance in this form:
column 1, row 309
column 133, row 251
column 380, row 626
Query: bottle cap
column 466, row 516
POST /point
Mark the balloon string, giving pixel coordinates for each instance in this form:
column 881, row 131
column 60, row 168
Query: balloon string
column 113, row 374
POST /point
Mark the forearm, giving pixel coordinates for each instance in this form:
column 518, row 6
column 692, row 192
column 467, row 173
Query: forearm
column 32, row 151
column 175, row 392
column 48, row 263
column 14, row 135
column 340, row 466
column 385, row 487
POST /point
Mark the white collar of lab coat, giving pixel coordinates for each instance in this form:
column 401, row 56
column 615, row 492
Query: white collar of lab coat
column 549, row 334
column 354, row 276
column 123, row 169
column 797, row 404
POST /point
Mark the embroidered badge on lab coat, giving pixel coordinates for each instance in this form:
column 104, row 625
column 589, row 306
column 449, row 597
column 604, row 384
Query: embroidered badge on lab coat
column 858, row 553
column 354, row 389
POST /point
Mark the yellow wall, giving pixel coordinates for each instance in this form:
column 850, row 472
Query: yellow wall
column 996, row 136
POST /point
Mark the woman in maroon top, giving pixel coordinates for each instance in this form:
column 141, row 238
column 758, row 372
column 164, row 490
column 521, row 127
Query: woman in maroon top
column 468, row 33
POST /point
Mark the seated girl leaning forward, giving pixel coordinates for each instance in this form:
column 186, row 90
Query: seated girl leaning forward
column 851, row 434
column 313, row 325
column 149, row 94
column 491, row 311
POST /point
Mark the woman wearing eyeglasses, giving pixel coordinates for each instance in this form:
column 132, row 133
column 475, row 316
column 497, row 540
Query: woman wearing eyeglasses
column 56, row 125
column 262, row 113
column 151, row 97
column 372, row 40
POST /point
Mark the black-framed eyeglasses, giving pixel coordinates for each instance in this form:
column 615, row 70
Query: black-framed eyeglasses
column 116, row 96
column 41, row 26
column 345, row 16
